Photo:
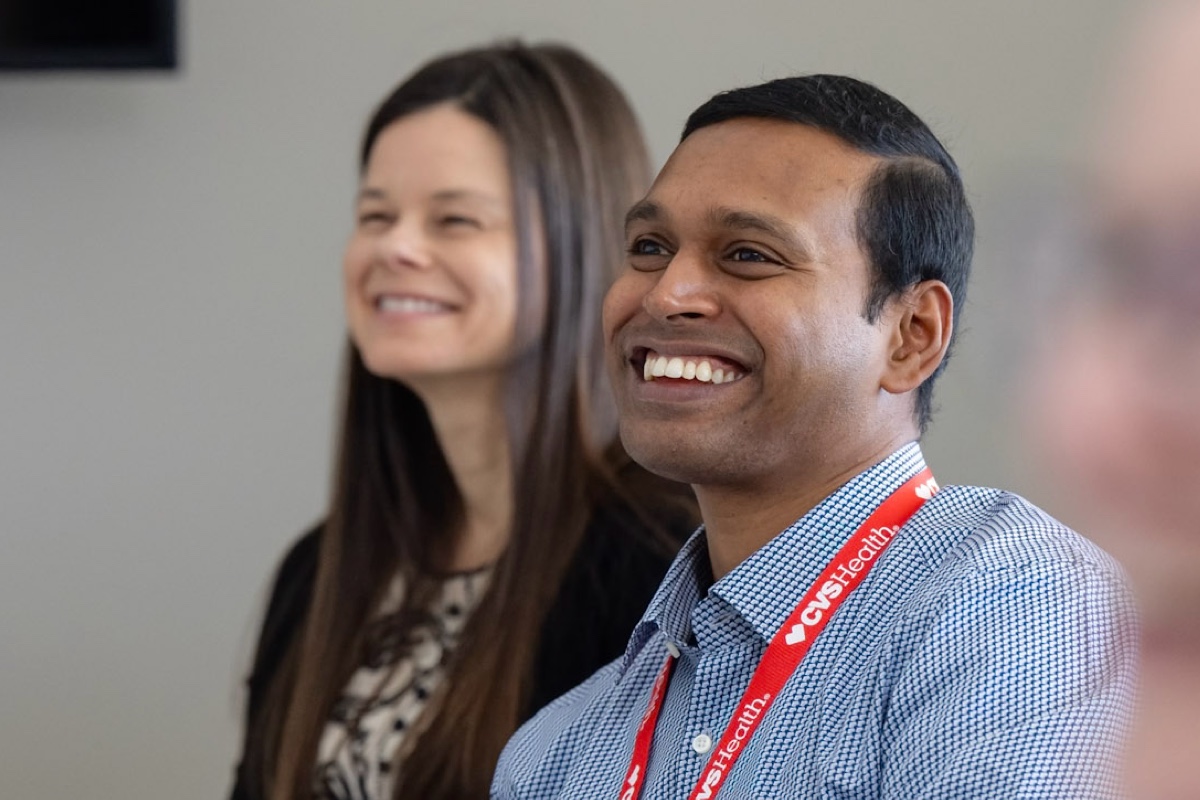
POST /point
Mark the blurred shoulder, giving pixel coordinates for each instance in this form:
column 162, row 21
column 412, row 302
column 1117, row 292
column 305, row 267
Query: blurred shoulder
column 287, row 606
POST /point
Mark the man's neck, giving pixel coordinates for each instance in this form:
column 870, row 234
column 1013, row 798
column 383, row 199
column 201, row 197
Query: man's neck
column 740, row 520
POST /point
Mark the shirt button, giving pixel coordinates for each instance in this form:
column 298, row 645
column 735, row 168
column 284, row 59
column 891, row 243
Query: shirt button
column 702, row 743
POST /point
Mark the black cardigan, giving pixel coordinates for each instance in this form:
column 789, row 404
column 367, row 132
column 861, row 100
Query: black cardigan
column 612, row 577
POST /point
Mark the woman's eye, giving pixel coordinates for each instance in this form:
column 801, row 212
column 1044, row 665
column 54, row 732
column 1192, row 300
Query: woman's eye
column 374, row 218
column 458, row 221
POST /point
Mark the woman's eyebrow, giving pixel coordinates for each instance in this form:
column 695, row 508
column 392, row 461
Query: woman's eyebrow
column 371, row 193
column 443, row 196
column 448, row 195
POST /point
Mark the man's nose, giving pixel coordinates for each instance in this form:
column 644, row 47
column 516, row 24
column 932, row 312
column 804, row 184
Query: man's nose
column 686, row 289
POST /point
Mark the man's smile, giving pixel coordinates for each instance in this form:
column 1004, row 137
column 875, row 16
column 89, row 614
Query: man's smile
column 700, row 368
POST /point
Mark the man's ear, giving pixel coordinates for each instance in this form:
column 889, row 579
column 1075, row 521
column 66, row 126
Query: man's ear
column 922, row 319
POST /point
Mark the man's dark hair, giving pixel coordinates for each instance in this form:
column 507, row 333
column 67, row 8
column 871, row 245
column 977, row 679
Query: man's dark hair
column 913, row 221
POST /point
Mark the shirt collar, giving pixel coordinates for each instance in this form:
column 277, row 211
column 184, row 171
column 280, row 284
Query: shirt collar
column 765, row 587
column 671, row 607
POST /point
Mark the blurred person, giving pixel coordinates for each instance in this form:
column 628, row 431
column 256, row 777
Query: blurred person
column 1113, row 403
column 488, row 544
column 840, row 626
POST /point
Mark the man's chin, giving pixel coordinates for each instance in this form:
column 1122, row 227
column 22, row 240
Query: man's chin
column 672, row 458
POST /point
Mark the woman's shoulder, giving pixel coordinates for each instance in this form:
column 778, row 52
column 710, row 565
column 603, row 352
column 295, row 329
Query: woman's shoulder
column 296, row 572
column 300, row 559
column 287, row 606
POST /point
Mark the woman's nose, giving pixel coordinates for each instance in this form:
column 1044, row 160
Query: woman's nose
column 404, row 245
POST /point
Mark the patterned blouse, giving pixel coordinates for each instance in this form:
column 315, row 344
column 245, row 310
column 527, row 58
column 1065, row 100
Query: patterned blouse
column 384, row 698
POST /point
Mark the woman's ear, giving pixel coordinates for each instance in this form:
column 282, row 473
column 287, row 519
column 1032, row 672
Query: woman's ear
column 922, row 320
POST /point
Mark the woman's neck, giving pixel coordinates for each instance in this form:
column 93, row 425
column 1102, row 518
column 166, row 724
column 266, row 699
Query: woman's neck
column 471, row 430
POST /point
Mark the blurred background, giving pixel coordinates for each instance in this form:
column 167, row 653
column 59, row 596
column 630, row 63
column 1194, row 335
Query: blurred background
column 170, row 311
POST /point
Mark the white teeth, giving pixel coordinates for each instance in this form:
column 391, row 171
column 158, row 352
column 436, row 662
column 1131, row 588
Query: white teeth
column 410, row 305
column 657, row 366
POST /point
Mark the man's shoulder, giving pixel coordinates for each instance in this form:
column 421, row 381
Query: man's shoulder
column 994, row 529
column 546, row 746
column 971, row 546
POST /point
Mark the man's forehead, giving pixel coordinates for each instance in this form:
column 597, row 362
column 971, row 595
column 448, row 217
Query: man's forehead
column 793, row 141
column 763, row 174
column 754, row 155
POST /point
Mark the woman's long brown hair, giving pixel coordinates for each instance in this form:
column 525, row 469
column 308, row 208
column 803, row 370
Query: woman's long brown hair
column 577, row 160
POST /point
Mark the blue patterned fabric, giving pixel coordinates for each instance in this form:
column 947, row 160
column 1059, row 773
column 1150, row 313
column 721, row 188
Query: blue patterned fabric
column 991, row 653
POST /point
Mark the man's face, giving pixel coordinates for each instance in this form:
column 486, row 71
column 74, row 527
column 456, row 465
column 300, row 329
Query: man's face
column 737, row 344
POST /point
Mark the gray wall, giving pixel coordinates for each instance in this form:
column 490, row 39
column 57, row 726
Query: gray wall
column 170, row 312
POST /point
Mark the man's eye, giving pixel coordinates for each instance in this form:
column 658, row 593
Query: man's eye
column 457, row 220
column 645, row 247
column 748, row 254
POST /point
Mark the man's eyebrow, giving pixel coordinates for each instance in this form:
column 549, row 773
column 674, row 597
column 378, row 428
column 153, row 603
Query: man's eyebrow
column 773, row 226
column 643, row 211
column 749, row 220
column 730, row 219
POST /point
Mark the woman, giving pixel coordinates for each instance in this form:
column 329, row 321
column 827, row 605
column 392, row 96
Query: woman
column 488, row 544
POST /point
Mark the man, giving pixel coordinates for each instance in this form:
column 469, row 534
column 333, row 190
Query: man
column 838, row 627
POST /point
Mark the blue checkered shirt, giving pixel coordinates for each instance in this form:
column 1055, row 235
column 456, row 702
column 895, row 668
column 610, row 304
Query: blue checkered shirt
column 989, row 654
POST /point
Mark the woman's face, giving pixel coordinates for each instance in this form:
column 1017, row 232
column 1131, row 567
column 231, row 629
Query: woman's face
column 431, row 267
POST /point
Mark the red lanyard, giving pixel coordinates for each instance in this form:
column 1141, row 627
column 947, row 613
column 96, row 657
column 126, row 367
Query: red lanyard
column 790, row 644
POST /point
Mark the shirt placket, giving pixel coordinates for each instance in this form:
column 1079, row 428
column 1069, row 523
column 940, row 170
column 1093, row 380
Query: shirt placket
column 718, row 668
